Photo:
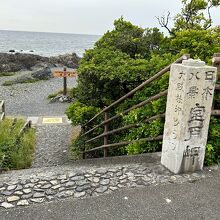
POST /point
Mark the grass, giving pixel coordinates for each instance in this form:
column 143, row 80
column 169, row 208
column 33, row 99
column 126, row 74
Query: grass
column 70, row 93
column 12, row 82
column 7, row 74
column 15, row 152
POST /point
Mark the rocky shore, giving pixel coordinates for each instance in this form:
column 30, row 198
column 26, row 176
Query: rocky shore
column 21, row 62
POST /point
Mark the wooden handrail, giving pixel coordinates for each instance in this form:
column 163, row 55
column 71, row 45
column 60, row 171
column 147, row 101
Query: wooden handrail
column 158, row 138
column 26, row 126
column 156, row 76
column 152, row 98
column 107, row 120
column 215, row 112
column 2, row 110
column 125, row 127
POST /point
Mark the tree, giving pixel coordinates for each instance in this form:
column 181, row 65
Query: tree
column 192, row 17
column 131, row 39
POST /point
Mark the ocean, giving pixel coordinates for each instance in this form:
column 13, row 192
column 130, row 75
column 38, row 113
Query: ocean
column 46, row 44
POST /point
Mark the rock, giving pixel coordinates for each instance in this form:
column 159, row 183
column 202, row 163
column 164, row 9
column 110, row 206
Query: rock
column 18, row 193
column 27, row 196
column 94, row 179
column 61, row 98
column 23, row 203
column 61, row 189
column 123, row 177
column 38, row 190
column 29, row 185
column 42, row 74
column 38, row 200
column 26, row 191
column 47, row 186
column 2, row 189
column 79, row 194
column 172, row 179
column 119, row 173
column 72, row 174
column 50, row 198
column 113, row 188
column 65, row 194
column 7, row 205
column 68, row 60
column 104, row 182
column 6, row 193
column 70, row 184
column 77, row 178
column 82, row 188
column 19, row 187
column 101, row 189
column 63, row 181
column 62, row 177
column 56, row 186
column 54, row 182
column 13, row 198
column 14, row 62
column 34, row 180
column 82, row 182
column 38, row 195
column 50, row 192
column 12, row 187
column 1, row 199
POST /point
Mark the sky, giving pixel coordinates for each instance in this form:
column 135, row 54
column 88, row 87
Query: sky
column 84, row 16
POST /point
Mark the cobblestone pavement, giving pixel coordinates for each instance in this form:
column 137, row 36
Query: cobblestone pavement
column 39, row 185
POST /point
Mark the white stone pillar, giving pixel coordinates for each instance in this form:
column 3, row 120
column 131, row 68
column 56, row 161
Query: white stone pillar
column 189, row 103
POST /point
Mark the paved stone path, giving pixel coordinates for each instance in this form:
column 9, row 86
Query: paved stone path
column 39, row 185
column 53, row 140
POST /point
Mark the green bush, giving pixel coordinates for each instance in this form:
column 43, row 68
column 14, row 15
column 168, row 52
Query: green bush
column 15, row 152
column 80, row 113
column 121, row 60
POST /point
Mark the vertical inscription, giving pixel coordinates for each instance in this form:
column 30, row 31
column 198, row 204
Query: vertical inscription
column 189, row 102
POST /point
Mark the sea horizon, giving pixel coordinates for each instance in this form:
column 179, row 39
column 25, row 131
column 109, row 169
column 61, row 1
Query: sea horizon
column 45, row 43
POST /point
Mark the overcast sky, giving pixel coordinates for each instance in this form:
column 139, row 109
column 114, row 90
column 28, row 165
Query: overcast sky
column 83, row 16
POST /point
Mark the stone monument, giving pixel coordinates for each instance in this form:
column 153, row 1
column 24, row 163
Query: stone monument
column 188, row 111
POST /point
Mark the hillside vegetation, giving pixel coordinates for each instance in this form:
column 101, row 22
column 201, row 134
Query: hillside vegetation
column 128, row 55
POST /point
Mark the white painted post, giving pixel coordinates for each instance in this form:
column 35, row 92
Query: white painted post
column 189, row 103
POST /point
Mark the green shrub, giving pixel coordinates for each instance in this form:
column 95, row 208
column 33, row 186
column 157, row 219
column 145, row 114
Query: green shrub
column 79, row 113
column 15, row 152
column 121, row 60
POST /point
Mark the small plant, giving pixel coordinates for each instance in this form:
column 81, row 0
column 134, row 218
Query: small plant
column 20, row 80
column 16, row 152
column 7, row 74
column 70, row 93
column 8, row 83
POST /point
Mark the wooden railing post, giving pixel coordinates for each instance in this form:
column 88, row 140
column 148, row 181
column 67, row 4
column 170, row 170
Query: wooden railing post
column 215, row 63
column 216, row 60
column 106, row 136
column 83, row 129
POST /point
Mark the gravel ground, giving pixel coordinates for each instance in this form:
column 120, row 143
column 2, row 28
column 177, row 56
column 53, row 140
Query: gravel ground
column 30, row 99
column 52, row 145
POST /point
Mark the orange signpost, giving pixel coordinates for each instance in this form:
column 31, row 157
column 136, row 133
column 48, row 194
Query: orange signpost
column 64, row 74
column 59, row 73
